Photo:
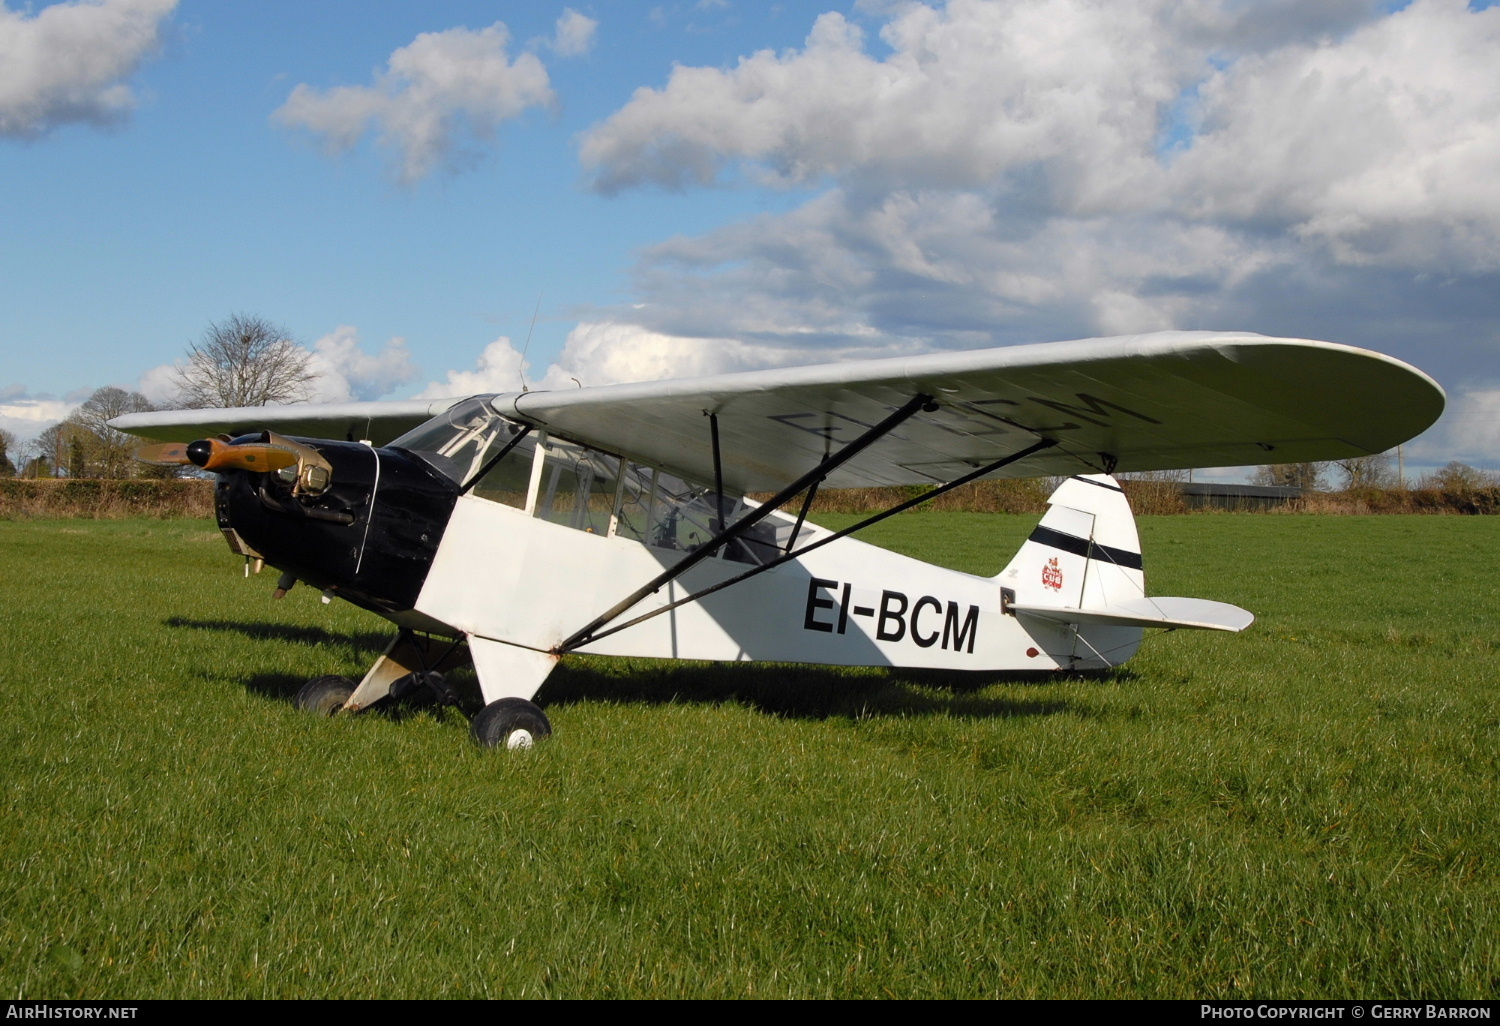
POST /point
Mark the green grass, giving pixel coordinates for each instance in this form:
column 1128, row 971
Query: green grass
column 1305, row 810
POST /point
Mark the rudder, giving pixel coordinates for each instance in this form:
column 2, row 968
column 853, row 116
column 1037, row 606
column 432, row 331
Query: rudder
column 1084, row 554
column 1086, row 551
column 1078, row 584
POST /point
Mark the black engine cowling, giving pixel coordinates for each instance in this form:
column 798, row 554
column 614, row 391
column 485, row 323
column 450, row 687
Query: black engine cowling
column 370, row 536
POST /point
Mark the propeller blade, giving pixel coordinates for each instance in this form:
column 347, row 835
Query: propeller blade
column 164, row 454
column 257, row 457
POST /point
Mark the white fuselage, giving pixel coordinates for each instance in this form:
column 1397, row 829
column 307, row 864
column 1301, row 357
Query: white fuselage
column 503, row 575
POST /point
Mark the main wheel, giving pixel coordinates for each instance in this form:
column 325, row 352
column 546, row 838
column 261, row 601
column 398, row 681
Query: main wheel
column 510, row 723
column 324, row 696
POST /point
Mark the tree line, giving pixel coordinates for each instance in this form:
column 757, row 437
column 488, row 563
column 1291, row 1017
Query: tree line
column 1378, row 472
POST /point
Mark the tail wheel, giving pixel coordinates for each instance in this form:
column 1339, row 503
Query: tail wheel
column 510, row 723
column 324, row 696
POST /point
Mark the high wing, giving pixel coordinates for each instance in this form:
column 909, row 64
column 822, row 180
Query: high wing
column 1160, row 401
column 1143, row 402
column 377, row 422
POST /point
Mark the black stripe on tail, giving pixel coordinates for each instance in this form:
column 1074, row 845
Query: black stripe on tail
column 1085, row 547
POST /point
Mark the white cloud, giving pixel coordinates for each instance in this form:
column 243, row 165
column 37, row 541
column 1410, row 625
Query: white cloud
column 342, row 371
column 68, row 63
column 1025, row 170
column 994, row 177
column 498, row 369
column 1471, row 432
column 968, row 95
column 159, row 384
column 436, row 91
column 575, row 33
column 27, row 416
column 903, row 272
column 1384, row 142
column 1384, row 145
column 610, row 352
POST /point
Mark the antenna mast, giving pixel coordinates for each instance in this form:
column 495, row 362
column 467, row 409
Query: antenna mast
column 521, row 369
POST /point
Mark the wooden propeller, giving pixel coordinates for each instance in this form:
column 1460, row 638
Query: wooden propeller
column 164, row 454
column 213, row 454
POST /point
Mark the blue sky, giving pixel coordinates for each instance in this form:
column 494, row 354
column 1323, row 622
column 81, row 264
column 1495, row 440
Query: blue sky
column 720, row 185
column 119, row 246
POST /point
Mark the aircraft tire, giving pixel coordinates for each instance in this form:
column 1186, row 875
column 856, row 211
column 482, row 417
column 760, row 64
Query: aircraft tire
column 324, row 696
column 510, row 723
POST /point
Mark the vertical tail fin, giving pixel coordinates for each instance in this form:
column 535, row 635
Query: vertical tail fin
column 1085, row 553
column 1078, row 584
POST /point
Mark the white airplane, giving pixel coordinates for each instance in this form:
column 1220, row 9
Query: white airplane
column 513, row 529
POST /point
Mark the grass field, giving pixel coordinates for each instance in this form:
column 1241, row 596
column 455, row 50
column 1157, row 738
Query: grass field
column 1307, row 810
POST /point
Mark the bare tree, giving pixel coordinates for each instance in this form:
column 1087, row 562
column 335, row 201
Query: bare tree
column 1458, row 477
column 244, row 361
column 49, row 451
column 78, row 461
column 107, row 452
column 1367, row 471
column 8, row 445
column 1307, row 476
column 1160, row 476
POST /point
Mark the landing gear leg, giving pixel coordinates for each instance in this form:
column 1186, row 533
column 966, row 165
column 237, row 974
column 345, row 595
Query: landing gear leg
column 509, row 676
column 410, row 654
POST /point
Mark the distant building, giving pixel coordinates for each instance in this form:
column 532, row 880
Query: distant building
column 1210, row 495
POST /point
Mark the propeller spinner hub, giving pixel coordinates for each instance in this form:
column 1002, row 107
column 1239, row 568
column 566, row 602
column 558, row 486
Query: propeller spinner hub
column 200, row 452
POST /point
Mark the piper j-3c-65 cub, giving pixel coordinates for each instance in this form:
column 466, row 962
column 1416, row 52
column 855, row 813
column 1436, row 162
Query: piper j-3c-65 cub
column 513, row 529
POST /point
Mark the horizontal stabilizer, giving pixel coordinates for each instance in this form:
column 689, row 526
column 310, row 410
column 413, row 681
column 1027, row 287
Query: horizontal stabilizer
column 1195, row 614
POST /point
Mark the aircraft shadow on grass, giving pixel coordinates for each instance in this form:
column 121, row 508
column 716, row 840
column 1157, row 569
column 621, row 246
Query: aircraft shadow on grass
column 807, row 692
column 362, row 642
column 283, row 686
column 793, row 691
column 788, row 690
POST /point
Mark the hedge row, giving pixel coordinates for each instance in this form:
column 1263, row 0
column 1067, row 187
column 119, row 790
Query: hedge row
column 1022, row 495
column 1155, row 498
column 29, row 499
column 24, row 498
column 1467, row 501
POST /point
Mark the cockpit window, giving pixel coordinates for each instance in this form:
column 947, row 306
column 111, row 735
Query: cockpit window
column 459, row 441
column 585, row 489
column 577, row 487
column 666, row 512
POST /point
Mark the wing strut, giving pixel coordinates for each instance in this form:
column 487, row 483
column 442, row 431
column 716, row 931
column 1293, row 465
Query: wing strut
column 585, row 636
column 728, row 534
column 812, row 493
column 713, row 429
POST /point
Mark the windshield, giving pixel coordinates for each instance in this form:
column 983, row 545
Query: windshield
column 458, row 441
